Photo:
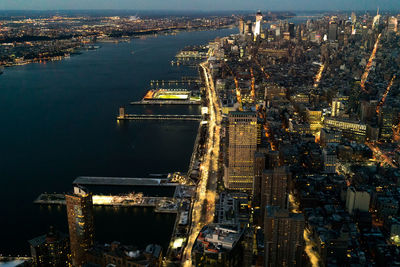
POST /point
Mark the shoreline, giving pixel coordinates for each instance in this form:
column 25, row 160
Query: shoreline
column 81, row 48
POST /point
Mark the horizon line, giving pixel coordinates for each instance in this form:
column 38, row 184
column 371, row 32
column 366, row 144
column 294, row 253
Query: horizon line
column 204, row 10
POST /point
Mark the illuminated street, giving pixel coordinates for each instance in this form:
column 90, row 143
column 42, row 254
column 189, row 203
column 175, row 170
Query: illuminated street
column 380, row 156
column 206, row 190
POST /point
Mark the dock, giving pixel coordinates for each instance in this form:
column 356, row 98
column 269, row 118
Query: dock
column 160, row 204
column 160, row 117
column 165, row 102
column 121, row 181
column 183, row 81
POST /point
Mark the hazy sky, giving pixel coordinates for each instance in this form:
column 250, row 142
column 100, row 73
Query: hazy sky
column 205, row 5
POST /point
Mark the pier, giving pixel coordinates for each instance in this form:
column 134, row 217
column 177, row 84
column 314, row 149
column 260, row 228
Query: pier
column 121, row 181
column 160, row 204
column 187, row 81
column 159, row 117
column 165, row 102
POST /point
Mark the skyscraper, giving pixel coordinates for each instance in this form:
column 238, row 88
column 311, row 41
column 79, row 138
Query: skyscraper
column 259, row 166
column 283, row 237
column 80, row 223
column 274, row 185
column 257, row 28
column 353, row 17
column 242, row 146
column 377, row 20
column 241, row 26
column 392, row 24
column 248, row 27
column 332, row 31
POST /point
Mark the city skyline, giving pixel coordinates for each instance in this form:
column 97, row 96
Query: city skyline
column 200, row 139
column 207, row 5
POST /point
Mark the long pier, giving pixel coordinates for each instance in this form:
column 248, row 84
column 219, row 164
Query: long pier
column 160, row 204
column 165, row 102
column 159, row 117
column 187, row 81
column 121, row 181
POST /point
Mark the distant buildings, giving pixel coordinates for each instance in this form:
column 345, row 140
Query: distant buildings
column 51, row 249
column 284, row 242
column 242, row 146
column 80, row 224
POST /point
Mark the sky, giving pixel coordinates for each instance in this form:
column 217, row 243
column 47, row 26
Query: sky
column 201, row 5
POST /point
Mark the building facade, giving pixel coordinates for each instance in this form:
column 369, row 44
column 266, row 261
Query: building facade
column 284, row 242
column 51, row 249
column 80, row 224
column 242, row 146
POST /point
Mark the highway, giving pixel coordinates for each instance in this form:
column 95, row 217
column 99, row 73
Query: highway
column 204, row 204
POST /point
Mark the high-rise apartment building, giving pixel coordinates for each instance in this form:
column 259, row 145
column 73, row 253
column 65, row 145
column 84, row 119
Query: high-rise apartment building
column 242, row 146
column 80, row 224
column 274, row 185
column 332, row 31
column 259, row 167
column 283, row 237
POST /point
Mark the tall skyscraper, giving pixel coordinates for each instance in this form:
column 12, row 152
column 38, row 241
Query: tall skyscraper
column 242, row 146
column 353, row 17
column 291, row 30
column 248, row 27
column 377, row 20
column 80, row 223
column 392, row 24
column 259, row 167
column 332, row 31
column 283, row 237
column 241, row 26
column 274, row 185
column 258, row 26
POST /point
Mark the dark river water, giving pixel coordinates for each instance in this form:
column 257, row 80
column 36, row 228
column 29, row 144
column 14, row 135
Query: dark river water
column 58, row 122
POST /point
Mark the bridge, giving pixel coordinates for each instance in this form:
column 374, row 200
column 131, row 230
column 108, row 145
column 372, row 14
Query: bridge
column 159, row 117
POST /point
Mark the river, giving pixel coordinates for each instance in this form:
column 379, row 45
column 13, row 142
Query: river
column 58, row 122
